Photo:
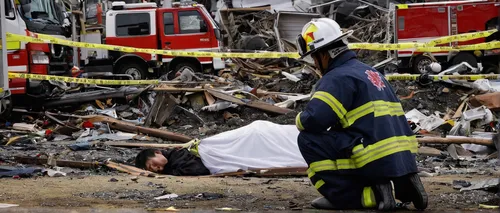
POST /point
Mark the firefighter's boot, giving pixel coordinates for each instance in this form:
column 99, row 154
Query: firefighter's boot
column 384, row 196
column 409, row 188
column 322, row 203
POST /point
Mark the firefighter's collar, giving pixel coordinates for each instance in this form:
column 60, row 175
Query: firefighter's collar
column 341, row 59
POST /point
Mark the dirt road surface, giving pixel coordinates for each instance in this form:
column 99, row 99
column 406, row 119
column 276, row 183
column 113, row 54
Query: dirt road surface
column 194, row 193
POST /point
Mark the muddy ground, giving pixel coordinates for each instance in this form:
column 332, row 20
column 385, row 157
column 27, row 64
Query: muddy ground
column 248, row 194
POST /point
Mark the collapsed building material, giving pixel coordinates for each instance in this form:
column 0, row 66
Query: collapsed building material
column 251, row 103
column 178, row 89
column 128, row 127
column 456, row 140
column 122, row 92
column 71, row 127
column 490, row 100
column 429, row 151
column 159, row 113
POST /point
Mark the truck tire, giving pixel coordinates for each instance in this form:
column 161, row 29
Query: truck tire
column 6, row 107
column 464, row 57
column 181, row 66
column 490, row 69
column 419, row 64
column 135, row 70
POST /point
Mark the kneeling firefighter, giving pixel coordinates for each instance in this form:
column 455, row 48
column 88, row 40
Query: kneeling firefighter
column 353, row 132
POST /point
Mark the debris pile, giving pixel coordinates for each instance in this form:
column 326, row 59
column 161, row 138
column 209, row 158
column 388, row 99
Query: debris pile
column 100, row 130
column 458, row 131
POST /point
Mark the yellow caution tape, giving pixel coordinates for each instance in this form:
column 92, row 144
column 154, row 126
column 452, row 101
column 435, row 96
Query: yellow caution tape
column 81, row 80
column 481, row 46
column 461, row 37
column 149, row 82
column 402, row 6
column 12, row 45
column 419, row 47
column 382, row 47
column 49, row 39
column 442, row 77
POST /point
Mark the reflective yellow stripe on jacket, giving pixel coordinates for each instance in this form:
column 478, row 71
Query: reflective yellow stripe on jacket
column 378, row 108
column 298, row 123
column 335, row 104
column 364, row 155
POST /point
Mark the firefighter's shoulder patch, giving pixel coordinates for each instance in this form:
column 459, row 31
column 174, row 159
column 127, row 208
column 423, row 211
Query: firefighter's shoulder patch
column 376, row 80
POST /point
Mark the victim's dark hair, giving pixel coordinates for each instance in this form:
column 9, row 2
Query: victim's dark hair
column 143, row 156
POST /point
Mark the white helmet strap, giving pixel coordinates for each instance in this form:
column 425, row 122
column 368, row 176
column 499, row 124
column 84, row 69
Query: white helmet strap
column 337, row 51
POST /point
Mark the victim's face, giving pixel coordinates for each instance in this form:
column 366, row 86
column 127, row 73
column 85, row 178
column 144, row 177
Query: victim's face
column 156, row 163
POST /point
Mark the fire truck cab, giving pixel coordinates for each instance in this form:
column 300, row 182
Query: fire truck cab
column 423, row 22
column 182, row 27
column 26, row 17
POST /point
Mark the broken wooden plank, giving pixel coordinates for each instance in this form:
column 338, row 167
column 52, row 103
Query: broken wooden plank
column 288, row 171
column 255, row 104
column 61, row 163
column 172, row 102
column 458, row 140
column 157, row 105
column 176, row 89
column 133, row 170
column 265, row 172
column 429, row 151
column 460, row 109
column 210, row 99
column 128, row 127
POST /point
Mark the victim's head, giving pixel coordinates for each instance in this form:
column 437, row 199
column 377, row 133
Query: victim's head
column 151, row 160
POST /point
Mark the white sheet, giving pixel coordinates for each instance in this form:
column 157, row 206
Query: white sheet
column 261, row 144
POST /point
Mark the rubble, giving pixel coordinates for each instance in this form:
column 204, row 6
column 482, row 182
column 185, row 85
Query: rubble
column 99, row 130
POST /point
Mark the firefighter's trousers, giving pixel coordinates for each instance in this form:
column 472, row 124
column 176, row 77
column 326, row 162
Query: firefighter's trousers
column 324, row 153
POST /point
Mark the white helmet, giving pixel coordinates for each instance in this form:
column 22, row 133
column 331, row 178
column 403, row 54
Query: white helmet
column 319, row 33
column 435, row 67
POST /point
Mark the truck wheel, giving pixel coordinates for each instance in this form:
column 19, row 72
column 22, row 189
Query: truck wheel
column 490, row 69
column 6, row 107
column 181, row 66
column 464, row 57
column 133, row 69
column 420, row 63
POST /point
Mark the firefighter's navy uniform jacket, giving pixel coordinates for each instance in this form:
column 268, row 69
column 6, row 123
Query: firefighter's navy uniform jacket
column 353, row 133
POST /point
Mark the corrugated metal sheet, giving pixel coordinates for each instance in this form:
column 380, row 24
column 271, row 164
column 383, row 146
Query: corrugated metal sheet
column 290, row 24
column 278, row 5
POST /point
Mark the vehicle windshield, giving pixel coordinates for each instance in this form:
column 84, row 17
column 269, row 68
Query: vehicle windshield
column 207, row 14
column 44, row 10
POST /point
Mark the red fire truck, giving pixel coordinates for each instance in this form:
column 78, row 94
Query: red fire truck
column 422, row 22
column 188, row 27
column 26, row 17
